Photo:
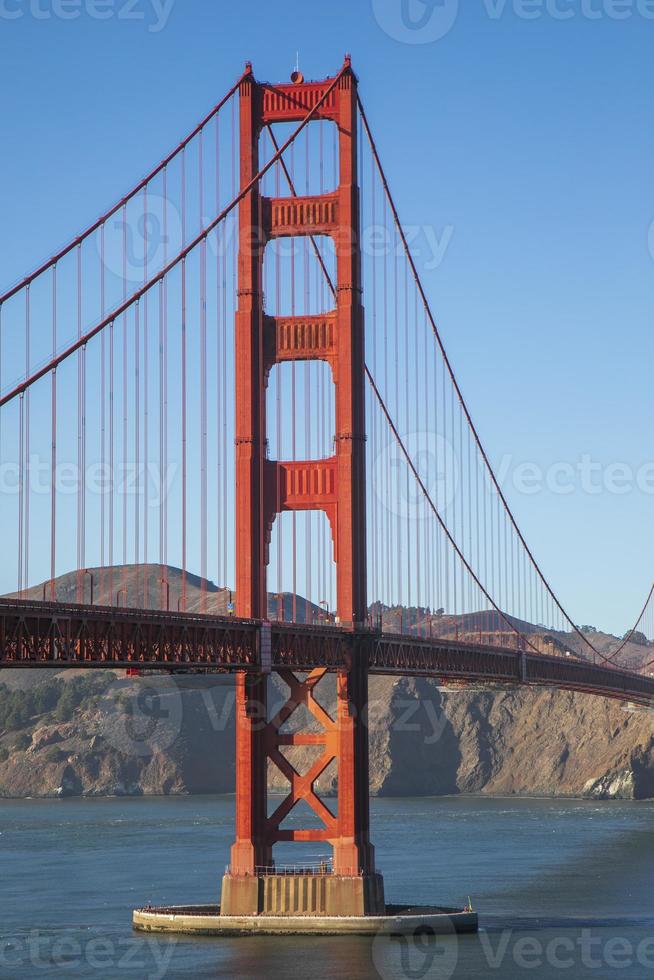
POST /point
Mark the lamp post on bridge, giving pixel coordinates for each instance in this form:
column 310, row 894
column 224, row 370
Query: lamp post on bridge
column 90, row 573
column 166, row 583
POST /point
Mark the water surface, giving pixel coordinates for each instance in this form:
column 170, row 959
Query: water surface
column 564, row 889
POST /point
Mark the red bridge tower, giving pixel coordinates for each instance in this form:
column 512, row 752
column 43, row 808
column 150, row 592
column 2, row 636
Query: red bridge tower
column 335, row 486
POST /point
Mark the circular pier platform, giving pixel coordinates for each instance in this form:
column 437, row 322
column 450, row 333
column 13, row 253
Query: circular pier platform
column 206, row 920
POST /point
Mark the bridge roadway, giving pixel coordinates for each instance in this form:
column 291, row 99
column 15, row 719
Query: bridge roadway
column 58, row 635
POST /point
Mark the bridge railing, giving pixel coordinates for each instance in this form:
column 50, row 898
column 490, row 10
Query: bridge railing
column 323, row 868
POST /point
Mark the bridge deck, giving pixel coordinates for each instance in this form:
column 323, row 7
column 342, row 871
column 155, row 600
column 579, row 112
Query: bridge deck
column 56, row 635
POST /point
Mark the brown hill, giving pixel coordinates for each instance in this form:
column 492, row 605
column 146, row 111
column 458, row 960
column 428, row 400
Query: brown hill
column 69, row 734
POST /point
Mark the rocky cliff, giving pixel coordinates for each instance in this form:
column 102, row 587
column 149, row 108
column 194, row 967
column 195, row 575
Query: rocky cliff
column 101, row 733
column 160, row 735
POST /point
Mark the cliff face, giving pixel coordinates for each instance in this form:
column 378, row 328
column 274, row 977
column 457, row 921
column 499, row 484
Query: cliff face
column 105, row 734
column 508, row 743
column 160, row 735
column 142, row 736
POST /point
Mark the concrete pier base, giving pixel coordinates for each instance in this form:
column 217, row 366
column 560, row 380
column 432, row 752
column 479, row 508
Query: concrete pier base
column 206, row 920
column 303, row 894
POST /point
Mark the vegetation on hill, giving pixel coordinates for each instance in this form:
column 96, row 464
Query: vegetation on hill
column 58, row 698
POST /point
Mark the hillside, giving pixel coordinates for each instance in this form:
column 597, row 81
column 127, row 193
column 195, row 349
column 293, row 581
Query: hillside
column 73, row 733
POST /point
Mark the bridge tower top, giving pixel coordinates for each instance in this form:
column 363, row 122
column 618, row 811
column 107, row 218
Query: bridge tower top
column 336, row 485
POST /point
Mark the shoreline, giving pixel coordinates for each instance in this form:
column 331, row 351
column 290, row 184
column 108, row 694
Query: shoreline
column 491, row 797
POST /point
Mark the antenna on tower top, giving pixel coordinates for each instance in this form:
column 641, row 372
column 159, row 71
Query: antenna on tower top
column 297, row 77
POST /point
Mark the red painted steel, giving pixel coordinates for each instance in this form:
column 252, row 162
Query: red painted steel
column 335, row 486
column 60, row 636
column 301, row 338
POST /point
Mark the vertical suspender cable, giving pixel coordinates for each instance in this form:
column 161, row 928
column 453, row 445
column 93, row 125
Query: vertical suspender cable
column 80, row 433
column 163, row 417
column 103, row 410
column 203, row 421
column 53, row 443
column 112, row 476
column 307, row 389
column 278, row 416
column 137, row 446
column 183, row 385
column 220, row 325
column 293, row 412
column 203, row 385
column 146, row 478
column 27, row 439
column 21, row 489
column 123, row 488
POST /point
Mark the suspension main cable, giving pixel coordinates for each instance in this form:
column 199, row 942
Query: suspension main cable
column 163, row 273
column 630, row 635
column 464, row 561
column 124, row 200
column 292, row 188
column 457, row 389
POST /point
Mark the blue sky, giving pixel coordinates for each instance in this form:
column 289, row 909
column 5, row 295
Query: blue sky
column 527, row 142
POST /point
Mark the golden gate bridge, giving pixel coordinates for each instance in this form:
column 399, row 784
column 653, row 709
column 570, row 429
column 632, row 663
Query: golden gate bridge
column 257, row 290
